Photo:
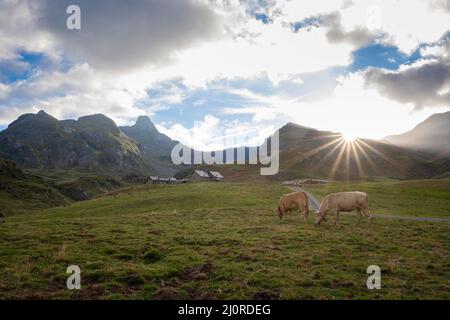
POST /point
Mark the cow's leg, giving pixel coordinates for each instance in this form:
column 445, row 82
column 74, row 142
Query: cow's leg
column 300, row 210
column 359, row 216
column 367, row 214
column 324, row 216
column 336, row 221
column 365, row 211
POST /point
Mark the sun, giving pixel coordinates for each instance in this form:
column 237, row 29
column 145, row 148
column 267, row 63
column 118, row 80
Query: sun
column 348, row 137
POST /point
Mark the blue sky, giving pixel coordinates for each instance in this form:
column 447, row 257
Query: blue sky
column 381, row 56
column 250, row 64
column 22, row 67
column 200, row 102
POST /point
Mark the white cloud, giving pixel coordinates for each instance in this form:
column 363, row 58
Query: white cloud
column 211, row 133
column 227, row 44
column 251, row 47
column 77, row 92
column 438, row 50
column 352, row 109
column 4, row 90
column 201, row 136
column 424, row 85
column 276, row 51
column 358, row 111
column 407, row 23
column 260, row 113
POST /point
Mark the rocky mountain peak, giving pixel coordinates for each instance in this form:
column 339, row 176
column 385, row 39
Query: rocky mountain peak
column 42, row 113
column 30, row 119
column 97, row 122
column 144, row 123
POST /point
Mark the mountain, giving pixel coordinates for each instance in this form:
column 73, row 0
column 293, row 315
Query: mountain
column 325, row 154
column 145, row 132
column 433, row 134
column 92, row 143
column 310, row 153
column 95, row 144
column 156, row 147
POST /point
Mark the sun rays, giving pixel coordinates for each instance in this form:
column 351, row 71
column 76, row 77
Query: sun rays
column 348, row 137
column 350, row 157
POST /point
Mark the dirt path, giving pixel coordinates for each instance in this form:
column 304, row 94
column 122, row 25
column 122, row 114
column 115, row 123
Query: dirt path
column 314, row 205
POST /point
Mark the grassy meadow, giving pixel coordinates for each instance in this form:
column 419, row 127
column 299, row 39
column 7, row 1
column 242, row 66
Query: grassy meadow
column 224, row 241
column 426, row 198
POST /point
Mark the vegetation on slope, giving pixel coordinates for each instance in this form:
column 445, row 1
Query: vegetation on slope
column 21, row 192
column 216, row 240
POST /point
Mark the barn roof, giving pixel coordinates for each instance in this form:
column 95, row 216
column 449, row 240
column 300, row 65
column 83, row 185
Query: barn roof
column 216, row 174
column 202, row 173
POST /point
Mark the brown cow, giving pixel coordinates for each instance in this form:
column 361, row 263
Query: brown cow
column 345, row 202
column 2, row 218
column 291, row 201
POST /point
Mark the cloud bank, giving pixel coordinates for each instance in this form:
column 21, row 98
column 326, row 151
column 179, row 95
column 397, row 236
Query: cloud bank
column 254, row 64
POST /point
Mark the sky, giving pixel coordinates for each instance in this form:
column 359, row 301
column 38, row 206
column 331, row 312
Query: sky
column 205, row 69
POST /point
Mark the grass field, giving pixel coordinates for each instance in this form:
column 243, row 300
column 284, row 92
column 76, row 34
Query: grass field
column 223, row 240
column 428, row 198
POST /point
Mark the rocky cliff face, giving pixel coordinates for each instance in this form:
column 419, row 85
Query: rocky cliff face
column 151, row 140
column 156, row 146
column 92, row 143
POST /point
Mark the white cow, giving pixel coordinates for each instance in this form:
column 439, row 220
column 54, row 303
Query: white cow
column 345, row 202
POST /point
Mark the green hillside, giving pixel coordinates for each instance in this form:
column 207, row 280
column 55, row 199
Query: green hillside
column 310, row 153
column 220, row 240
column 21, row 192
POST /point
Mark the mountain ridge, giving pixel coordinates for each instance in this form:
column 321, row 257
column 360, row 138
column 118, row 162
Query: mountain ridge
column 432, row 134
column 95, row 142
column 90, row 143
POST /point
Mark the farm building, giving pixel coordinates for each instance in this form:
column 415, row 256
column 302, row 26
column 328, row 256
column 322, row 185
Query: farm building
column 165, row 180
column 196, row 175
column 153, row 179
column 216, row 176
column 174, row 180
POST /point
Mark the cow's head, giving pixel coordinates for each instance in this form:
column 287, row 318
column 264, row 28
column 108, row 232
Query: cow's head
column 280, row 213
column 319, row 217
